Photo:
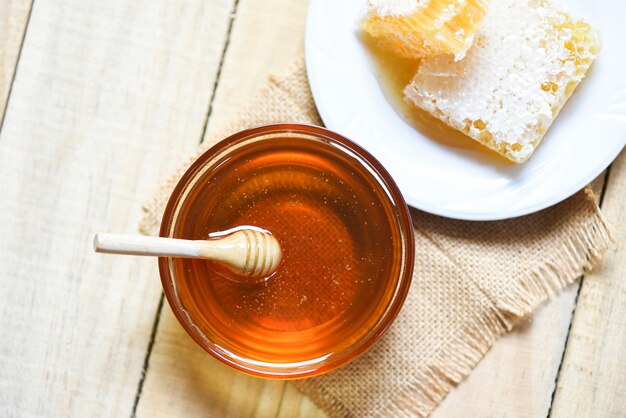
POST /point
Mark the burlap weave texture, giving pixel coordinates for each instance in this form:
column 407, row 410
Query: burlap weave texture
column 472, row 281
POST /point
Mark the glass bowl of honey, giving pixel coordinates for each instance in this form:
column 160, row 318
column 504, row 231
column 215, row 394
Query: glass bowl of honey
column 347, row 251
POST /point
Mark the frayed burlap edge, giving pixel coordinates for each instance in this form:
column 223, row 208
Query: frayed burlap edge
column 580, row 253
column 461, row 354
column 429, row 386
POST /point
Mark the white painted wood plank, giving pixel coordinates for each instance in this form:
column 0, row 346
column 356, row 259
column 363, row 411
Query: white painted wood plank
column 185, row 381
column 13, row 21
column 517, row 377
column 531, row 355
column 182, row 379
column 593, row 375
column 108, row 97
column 266, row 37
column 295, row 404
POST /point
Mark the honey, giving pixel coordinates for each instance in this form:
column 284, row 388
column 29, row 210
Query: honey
column 343, row 252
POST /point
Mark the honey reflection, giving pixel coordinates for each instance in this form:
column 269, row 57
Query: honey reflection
column 393, row 74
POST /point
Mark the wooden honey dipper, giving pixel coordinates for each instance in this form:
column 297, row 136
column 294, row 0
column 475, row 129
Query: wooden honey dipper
column 247, row 251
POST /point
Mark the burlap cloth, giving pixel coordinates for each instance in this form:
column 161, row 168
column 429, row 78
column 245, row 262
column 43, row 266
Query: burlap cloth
column 472, row 282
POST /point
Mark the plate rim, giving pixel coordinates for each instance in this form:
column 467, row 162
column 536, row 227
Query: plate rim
column 563, row 194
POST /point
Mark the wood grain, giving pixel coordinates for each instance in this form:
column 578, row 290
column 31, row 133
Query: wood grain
column 531, row 356
column 593, row 375
column 107, row 99
column 517, row 377
column 13, row 22
column 182, row 379
column 266, row 37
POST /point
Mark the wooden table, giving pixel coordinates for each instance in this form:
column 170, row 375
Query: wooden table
column 100, row 100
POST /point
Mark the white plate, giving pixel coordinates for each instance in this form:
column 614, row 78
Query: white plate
column 466, row 183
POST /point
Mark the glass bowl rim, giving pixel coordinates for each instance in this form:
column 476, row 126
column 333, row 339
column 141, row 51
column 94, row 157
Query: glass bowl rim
column 402, row 218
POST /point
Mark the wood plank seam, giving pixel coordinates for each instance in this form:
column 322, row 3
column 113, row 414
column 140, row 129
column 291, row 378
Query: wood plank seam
column 157, row 317
column 17, row 63
column 100, row 84
column 233, row 14
column 146, row 361
column 266, row 34
column 605, row 183
column 280, row 401
column 593, row 376
column 569, row 330
column 605, row 186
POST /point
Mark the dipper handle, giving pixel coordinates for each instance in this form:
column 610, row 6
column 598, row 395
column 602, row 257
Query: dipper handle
column 248, row 252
